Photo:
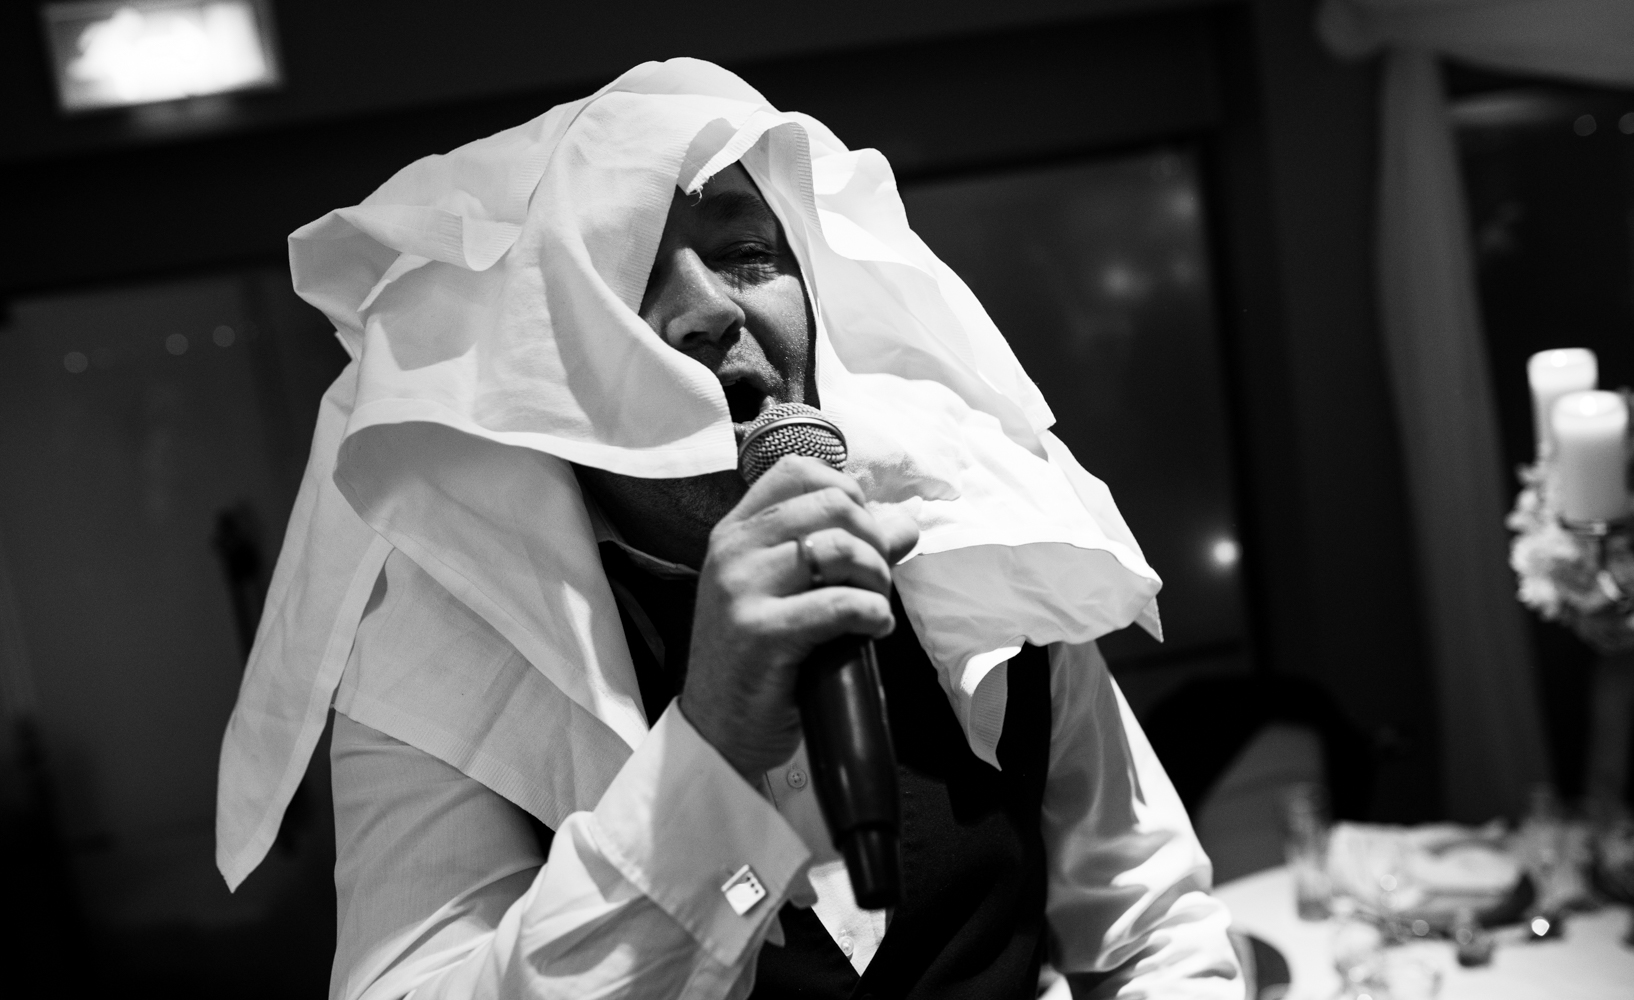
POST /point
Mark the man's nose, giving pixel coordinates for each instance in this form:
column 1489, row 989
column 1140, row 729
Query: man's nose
column 693, row 308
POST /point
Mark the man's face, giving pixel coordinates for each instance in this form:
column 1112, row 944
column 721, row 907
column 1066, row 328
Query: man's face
column 725, row 290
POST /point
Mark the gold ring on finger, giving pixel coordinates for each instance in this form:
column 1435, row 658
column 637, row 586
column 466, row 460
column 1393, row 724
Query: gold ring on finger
column 808, row 555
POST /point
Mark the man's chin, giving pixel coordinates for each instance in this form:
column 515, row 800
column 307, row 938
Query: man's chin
column 668, row 518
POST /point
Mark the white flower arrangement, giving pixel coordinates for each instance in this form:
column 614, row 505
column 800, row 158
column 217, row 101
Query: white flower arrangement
column 1580, row 578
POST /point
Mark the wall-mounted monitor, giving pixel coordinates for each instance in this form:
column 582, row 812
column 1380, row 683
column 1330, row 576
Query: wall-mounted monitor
column 132, row 52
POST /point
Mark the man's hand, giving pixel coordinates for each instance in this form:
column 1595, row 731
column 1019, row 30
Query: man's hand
column 758, row 615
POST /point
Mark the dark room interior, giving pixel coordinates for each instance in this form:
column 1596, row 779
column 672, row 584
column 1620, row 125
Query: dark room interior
column 1171, row 209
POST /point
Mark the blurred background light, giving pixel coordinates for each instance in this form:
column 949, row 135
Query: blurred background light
column 145, row 51
column 1225, row 553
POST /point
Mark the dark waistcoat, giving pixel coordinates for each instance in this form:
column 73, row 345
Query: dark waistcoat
column 971, row 922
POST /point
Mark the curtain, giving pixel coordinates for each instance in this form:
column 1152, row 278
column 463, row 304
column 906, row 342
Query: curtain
column 1492, row 746
column 19, row 702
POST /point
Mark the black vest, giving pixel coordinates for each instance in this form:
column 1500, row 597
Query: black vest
column 971, row 923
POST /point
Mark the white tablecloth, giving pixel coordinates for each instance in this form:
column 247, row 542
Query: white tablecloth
column 1589, row 963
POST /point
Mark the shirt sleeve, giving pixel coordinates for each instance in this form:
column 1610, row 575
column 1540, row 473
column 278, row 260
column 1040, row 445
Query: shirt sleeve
column 443, row 892
column 1128, row 901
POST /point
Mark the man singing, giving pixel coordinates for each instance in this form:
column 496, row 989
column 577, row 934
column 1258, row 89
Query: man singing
column 558, row 633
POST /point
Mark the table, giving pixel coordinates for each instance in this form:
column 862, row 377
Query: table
column 1589, row 963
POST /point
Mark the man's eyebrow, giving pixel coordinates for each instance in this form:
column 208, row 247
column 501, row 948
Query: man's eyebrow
column 735, row 206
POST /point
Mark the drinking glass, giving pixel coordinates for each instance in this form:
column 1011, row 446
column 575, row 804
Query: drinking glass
column 1358, row 957
column 1409, row 975
column 1307, row 850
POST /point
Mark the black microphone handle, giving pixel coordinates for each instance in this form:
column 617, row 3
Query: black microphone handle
column 853, row 764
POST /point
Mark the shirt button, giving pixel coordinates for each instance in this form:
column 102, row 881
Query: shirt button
column 797, row 778
column 846, row 946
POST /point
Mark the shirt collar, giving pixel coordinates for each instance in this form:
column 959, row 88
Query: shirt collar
column 606, row 531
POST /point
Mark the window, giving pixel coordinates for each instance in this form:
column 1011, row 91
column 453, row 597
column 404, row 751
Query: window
column 1098, row 273
column 1549, row 176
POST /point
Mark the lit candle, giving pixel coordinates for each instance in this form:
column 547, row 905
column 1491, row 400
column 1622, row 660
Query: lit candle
column 1589, row 465
column 1552, row 375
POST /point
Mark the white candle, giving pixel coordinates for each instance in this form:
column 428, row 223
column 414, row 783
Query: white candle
column 1589, row 466
column 1552, row 375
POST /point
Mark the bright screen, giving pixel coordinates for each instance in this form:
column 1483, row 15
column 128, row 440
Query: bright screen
column 142, row 51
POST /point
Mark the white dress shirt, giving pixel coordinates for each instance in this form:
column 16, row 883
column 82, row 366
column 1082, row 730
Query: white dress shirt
column 442, row 891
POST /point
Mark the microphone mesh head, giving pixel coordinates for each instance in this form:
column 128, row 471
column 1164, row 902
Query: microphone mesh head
column 788, row 429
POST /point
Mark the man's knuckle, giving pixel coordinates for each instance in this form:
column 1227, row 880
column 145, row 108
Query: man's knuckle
column 732, row 577
column 834, row 503
column 871, row 604
column 724, row 536
column 743, row 616
column 843, row 601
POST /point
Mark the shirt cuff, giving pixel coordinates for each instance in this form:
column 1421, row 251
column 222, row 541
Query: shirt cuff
column 679, row 823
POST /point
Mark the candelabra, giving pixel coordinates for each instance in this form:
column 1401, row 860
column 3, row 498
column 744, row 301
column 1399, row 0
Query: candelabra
column 1578, row 573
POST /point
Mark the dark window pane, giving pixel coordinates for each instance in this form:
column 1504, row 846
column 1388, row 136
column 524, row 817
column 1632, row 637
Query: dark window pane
column 1098, row 274
column 1549, row 179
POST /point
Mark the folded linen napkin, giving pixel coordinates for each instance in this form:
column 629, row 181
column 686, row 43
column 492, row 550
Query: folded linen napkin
column 1430, row 872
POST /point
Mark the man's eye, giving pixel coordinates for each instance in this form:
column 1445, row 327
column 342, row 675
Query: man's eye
column 747, row 258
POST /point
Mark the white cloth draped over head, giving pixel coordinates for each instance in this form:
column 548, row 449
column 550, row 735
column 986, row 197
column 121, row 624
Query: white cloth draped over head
column 488, row 298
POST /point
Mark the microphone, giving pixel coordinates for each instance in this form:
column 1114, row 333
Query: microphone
column 841, row 699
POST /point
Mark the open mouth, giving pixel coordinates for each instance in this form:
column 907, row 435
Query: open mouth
column 744, row 401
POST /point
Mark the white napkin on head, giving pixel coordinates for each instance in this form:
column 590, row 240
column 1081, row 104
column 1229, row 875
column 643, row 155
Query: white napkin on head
column 489, row 296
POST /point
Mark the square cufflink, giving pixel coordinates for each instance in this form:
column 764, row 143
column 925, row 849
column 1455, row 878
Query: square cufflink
column 743, row 890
